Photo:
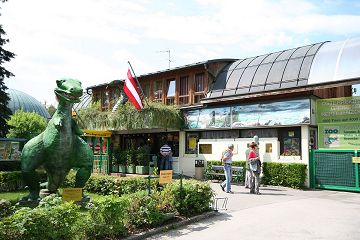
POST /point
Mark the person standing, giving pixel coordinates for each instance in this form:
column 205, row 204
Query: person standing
column 166, row 154
column 247, row 167
column 227, row 161
column 255, row 169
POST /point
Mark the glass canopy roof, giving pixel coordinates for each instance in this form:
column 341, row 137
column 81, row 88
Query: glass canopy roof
column 285, row 69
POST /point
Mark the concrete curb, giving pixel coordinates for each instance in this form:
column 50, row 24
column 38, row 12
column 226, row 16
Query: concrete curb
column 171, row 226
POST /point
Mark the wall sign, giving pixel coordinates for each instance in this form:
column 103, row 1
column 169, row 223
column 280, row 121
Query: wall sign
column 338, row 123
column 281, row 113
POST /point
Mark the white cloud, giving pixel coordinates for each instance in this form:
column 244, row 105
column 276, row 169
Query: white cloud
column 93, row 40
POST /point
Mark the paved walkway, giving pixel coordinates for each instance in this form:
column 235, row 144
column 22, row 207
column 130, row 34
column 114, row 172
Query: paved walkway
column 279, row 213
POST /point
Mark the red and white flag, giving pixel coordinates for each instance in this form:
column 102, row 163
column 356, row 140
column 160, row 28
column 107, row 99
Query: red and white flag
column 132, row 91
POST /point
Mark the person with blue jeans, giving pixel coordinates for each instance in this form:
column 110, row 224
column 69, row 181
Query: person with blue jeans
column 227, row 161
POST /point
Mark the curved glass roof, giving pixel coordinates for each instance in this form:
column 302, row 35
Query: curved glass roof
column 20, row 100
column 285, row 69
column 336, row 61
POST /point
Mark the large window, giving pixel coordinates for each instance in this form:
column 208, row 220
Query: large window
column 199, row 87
column 158, row 91
column 191, row 142
column 184, row 90
column 146, row 89
column 170, row 95
column 290, row 141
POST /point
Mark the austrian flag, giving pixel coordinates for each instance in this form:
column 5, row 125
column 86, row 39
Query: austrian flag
column 132, row 91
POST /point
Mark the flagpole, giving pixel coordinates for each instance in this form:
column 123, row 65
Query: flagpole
column 138, row 83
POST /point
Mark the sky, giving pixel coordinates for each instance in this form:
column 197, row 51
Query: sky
column 92, row 40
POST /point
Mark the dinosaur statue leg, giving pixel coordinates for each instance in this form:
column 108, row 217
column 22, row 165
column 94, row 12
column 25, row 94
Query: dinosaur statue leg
column 55, row 179
column 31, row 159
column 83, row 160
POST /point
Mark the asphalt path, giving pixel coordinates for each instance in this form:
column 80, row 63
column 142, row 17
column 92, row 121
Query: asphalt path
column 278, row 213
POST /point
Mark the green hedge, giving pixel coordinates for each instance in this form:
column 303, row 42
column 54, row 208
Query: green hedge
column 10, row 165
column 111, row 185
column 109, row 217
column 277, row 174
column 210, row 163
column 284, row 174
column 12, row 181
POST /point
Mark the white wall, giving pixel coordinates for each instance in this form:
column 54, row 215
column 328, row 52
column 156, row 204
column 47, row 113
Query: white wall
column 186, row 162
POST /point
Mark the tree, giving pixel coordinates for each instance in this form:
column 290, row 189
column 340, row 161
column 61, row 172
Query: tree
column 51, row 110
column 5, row 56
column 25, row 125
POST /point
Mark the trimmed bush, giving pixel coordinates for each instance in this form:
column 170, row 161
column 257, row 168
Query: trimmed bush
column 10, row 166
column 284, row 174
column 194, row 198
column 12, row 181
column 210, row 163
column 111, row 185
column 277, row 174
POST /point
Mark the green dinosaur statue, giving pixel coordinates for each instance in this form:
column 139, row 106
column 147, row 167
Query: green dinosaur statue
column 59, row 148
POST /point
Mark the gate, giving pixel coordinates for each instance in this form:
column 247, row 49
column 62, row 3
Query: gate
column 334, row 169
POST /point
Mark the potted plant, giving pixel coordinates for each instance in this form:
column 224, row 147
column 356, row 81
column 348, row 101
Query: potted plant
column 120, row 159
column 130, row 161
column 114, row 162
column 142, row 162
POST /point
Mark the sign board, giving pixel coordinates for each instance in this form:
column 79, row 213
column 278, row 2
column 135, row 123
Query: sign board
column 339, row 122
column 338, row 110
column 72, row 194
column 165, row 176
column 356, row 159
column 339, row 136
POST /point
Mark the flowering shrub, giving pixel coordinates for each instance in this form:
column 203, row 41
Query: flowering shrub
column 291, row 152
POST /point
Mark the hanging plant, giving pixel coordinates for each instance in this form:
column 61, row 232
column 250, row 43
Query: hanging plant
column 154, row 115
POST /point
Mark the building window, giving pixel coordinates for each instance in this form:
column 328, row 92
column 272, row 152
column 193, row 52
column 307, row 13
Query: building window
column 170, row 95
column 184, row 90
column 191, row 143
column 146, row 89
column 158, row 91
column 290, row 141
column 205, row 148
column 199, row 87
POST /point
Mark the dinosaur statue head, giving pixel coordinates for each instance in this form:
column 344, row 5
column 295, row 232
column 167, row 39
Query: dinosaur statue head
column 68, row 90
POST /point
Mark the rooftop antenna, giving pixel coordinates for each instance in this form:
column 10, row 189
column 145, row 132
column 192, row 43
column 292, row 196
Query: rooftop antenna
column 168, row 51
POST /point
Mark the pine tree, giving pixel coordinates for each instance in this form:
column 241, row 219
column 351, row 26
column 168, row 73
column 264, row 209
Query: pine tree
column 5, row 56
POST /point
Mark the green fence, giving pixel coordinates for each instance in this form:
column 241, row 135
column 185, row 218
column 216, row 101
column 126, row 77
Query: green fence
column 334, row 169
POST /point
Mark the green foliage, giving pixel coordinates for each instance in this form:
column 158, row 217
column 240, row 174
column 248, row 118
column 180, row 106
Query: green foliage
column 111, row 185
column 12, row 181
column 238, row 179
column 5, row 56
column 284, row 174
column 25, row 125
column 194, row 198
column 155, row 115
column 107, row 217
column 277, row 174
column 6, row 208
column 51, row 110
column 144, row 210
column 119, row 156
column 53, row 219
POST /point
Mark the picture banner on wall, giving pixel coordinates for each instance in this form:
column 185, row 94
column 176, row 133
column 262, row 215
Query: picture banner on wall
column 339, row 136
column 283, row 113
column 338, row 110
